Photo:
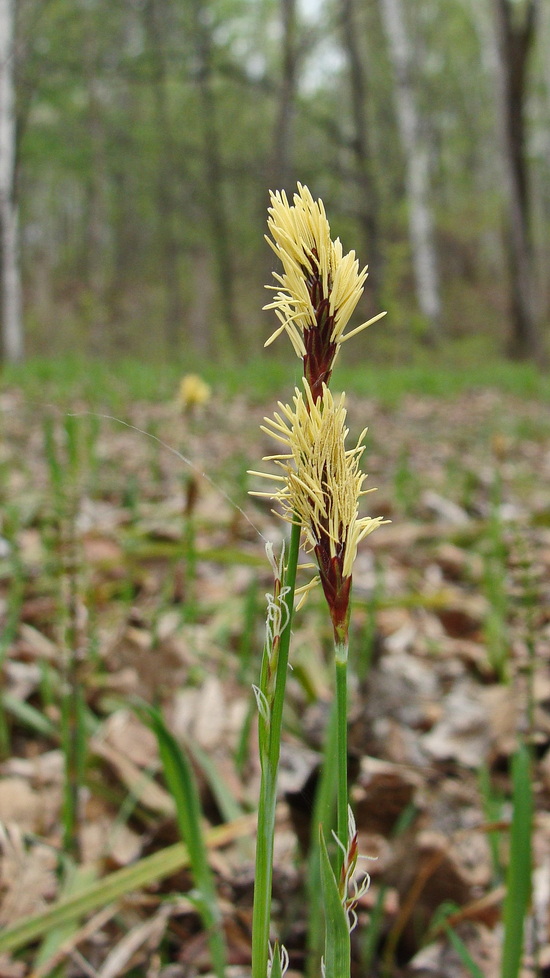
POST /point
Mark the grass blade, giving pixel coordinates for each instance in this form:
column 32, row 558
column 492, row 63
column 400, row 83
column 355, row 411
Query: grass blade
column 183, row 788
column 277, row 967
column 30, row 717
column 274, row 670
column 323, row 814
column 337, row 939
column 148, row 870
column 440, row 922
column 518, row 879
column 229, row 808
column 463, row 953
column 77, row 880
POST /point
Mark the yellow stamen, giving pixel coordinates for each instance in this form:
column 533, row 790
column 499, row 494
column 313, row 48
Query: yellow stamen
column 301, row 240
column 322, row 481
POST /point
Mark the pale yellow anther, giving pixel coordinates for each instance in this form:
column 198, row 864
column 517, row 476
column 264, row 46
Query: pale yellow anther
column 300, row 237
column 322, row 481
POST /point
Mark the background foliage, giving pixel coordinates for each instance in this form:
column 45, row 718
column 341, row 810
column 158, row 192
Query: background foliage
column 149, row 133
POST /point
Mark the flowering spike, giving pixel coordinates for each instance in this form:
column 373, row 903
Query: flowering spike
column 350, row 890
column 321, row 487
column 277, row 566
column 262, row 704
column 320, row 286
column 193, row 392
column 278, row 960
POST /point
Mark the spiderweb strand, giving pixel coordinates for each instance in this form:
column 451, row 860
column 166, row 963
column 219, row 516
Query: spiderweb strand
column 183, row 458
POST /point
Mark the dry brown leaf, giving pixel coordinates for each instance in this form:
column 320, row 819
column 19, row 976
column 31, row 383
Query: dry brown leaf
column 12, row 969
column 138, row 782
column 46, row 768
column 458, row 564
column 127, row 952
column 202, row 714
column 34, row 644
column 19, row 804
column 158, row 667
column 27, row 875
column 127, row 734
column 384, row 791
column 444, row 509
column 89, row 929
column 440, row 960
column 23, row 678
column 106, row 839
column 103, row 551
column 210, row 716
column 463, row 734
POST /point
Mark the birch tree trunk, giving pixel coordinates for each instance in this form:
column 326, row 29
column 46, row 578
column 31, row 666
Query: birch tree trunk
column 12, row 325
column 421, row 229
column 368, row 207
column 516, row 34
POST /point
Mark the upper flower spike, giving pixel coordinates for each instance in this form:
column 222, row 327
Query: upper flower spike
column 320, row 286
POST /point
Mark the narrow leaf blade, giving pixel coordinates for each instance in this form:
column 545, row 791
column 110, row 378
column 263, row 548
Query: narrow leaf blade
column 337, row 939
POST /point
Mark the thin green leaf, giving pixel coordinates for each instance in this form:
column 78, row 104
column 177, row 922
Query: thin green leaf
column 78, row 880
column 463, row 952
column 148, row 870
column 30, row 717
column 270, row 745
column 229, row 808
column 52, row 455
column 323, row 814
column 518, row 879
column 276, row 965
column 183, row 788
column 337, row 939
column 99, row 894
column 440, row 923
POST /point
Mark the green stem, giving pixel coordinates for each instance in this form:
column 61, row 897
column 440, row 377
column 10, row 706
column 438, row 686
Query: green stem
column 269, row 753
column 263, row 877
column 324, row 811
column 341, row 661
column 282, row 666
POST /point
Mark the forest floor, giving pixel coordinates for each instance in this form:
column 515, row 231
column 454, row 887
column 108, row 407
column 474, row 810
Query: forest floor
column 129, row 576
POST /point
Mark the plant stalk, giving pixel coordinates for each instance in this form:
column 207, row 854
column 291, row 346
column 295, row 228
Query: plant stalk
column 341, row 663
column 270, row 745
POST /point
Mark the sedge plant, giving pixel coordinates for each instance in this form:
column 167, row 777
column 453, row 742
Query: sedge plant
column 518, row 882
column 318, row 486
column 64, row 469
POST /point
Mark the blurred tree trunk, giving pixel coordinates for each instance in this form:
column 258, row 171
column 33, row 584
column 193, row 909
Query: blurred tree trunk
column 168, row 216
column 126, row 231
column 12, row 322
column 215, row 204
column 280, row 170
column 95, row 309
column 416, row 166
column 516, row 29
column 281, row 176
column 368, row 207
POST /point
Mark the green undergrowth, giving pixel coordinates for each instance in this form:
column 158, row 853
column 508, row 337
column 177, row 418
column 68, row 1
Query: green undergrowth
column 152, row 575
column 112, row 384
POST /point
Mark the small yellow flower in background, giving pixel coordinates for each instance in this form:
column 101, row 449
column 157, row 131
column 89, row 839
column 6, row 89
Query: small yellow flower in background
column 320, row 286
column 321, row 488
column 193, row 392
